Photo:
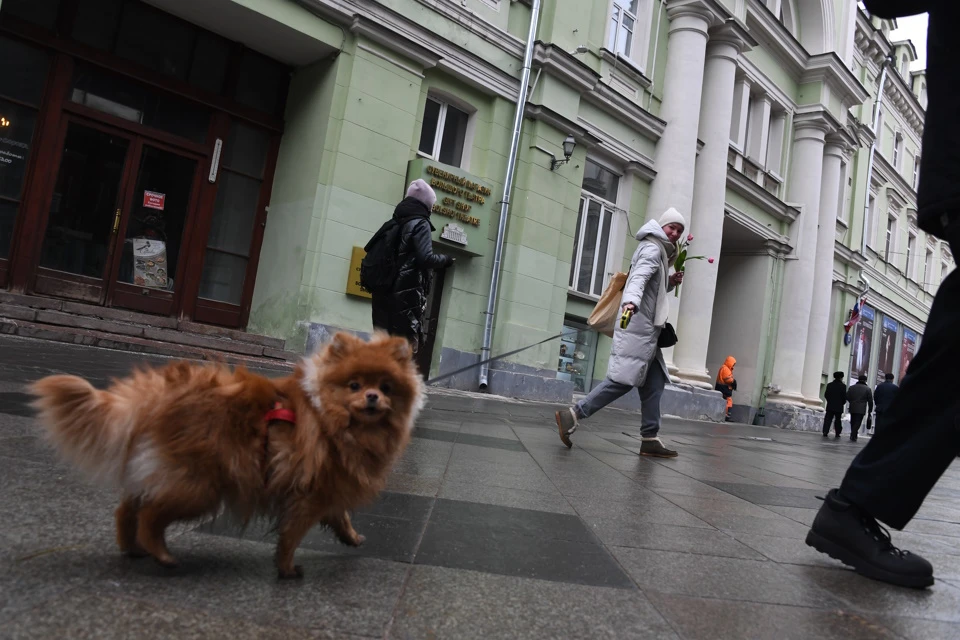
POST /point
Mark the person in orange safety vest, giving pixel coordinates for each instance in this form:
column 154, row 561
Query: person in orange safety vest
column 726, row 383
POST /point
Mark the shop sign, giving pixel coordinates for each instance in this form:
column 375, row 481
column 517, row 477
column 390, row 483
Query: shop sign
column 154, row 200
column 353, row 276
column 463, row 209
column 454, row 233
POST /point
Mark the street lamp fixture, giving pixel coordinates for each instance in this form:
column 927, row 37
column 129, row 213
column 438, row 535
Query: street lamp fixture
column 568, row 147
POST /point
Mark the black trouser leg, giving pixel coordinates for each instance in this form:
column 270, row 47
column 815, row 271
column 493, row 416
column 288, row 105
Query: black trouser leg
column 835, row 418
column 893, row 474
column 838, row 422
column 856, row 419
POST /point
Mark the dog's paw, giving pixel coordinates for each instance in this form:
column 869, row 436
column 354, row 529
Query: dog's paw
column 352, row 540
column 167, row 561
column 296, row 574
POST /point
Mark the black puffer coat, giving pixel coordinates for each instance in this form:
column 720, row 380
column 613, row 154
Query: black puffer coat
column 939, row 192
column 400, row 312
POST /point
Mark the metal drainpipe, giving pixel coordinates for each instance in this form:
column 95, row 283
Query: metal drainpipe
column 507, row 188
column 873, row 150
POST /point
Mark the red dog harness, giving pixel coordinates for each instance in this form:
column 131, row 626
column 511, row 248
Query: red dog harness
column 277, row 414
column 281, row 414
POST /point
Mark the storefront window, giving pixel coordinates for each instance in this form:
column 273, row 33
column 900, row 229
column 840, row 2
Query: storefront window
column 578, row 352
column 132, row 101
column 23, row 73
column 862, row 345
column 234, row 216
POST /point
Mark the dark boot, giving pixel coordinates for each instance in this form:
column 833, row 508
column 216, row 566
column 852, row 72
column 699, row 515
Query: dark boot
column 567, row 423
column 842, row 531
column 654, row 447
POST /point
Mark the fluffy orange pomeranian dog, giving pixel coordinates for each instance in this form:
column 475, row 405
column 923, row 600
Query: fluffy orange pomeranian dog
column 188, row 441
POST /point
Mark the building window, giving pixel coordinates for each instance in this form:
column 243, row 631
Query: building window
column 846, row 181
column 911, row 255
column 623, row 25
column 905, row 65
column 891, row 244
column 23, row 73
column 944, row 270
column 591, row 240
column 897, row 150
column 923, row 95
column 916, row 172
column 628, row 31
column 444, row 132
column 928, row 269
column 879, row 132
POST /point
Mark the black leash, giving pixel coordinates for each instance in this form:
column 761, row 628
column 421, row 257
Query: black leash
column 433, row 381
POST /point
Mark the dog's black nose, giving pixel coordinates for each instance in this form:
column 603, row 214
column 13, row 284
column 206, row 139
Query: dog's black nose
column 372, row 397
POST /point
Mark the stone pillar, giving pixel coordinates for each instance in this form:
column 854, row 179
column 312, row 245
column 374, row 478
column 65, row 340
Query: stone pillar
column 806, row 171
column 676, row 154
column 818, row 326
column 706, row 215
column 758, row 130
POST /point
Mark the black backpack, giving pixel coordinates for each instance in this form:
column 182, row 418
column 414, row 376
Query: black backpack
column 378, row 271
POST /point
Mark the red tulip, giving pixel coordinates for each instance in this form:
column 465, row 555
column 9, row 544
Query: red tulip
column 710, row 260
column 690, row 238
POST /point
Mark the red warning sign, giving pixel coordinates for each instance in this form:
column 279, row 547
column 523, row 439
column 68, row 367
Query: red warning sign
column 154, row 200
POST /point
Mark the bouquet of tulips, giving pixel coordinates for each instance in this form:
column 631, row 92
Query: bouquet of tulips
column 683, row 256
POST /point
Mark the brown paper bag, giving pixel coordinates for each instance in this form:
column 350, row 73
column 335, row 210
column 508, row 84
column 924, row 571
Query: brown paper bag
column 605, row 314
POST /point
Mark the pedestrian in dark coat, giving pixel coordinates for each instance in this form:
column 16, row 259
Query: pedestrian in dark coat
column 890, row 478
column 400, row 312
column 836, row 397
column 861, row 403
column 883, row 397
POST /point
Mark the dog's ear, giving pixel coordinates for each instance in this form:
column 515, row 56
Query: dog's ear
column 341, row 345
column 400, row 349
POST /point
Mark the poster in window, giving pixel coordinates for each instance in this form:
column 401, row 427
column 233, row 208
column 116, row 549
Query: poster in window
column 888, row 348
column 908, row 350
column 862, row 342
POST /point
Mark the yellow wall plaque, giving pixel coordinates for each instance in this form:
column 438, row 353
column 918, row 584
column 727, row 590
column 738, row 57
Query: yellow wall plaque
column 353, row 277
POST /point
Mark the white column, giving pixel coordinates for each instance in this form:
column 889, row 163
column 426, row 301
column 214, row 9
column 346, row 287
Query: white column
column 806, row 170
column 676, row 153
column 758, row 130
column 741, row 109
column 818, row 326
column 706, row 216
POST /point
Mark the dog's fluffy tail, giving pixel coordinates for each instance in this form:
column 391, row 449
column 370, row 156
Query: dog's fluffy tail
column 88, row 428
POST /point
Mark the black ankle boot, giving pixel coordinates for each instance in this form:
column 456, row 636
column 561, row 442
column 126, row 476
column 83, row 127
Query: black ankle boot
column 842, row 531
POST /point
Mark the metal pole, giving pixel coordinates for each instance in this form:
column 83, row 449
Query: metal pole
column 873, row 150
column 507, row 188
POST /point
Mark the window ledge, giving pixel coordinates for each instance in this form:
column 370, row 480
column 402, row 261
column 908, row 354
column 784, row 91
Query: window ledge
column 843, row 223
column 573, row 293
column 631, row 69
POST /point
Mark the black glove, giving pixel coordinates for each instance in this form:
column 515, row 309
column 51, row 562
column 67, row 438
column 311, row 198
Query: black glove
column 450, row 261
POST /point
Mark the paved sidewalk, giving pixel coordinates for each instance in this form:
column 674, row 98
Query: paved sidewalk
column 489, row 529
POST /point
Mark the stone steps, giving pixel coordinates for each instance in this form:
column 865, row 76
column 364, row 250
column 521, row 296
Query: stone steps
column 63, row 321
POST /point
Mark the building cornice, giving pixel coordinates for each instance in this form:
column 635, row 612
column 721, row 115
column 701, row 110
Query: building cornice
column 889, row 176
column 758, row 79
column 561, row 123
column 870, row 41
column 829, row 69
column 634, row 161
column 848, row 256
column 885, row 305
column 757, row 195
column 901, row 96
column 564, row 66
column 772, row 240
column 632, row 114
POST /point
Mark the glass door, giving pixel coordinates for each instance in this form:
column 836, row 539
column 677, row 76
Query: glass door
column 153, row 231
column 84, row 213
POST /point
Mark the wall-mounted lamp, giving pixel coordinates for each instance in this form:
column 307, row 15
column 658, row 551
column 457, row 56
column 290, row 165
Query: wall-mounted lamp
column 568, row 146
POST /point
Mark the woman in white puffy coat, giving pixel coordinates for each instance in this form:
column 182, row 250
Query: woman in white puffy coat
column 635, row 359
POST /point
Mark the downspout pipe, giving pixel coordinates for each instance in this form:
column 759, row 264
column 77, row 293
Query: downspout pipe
column 507, row 189
column 887, row 62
